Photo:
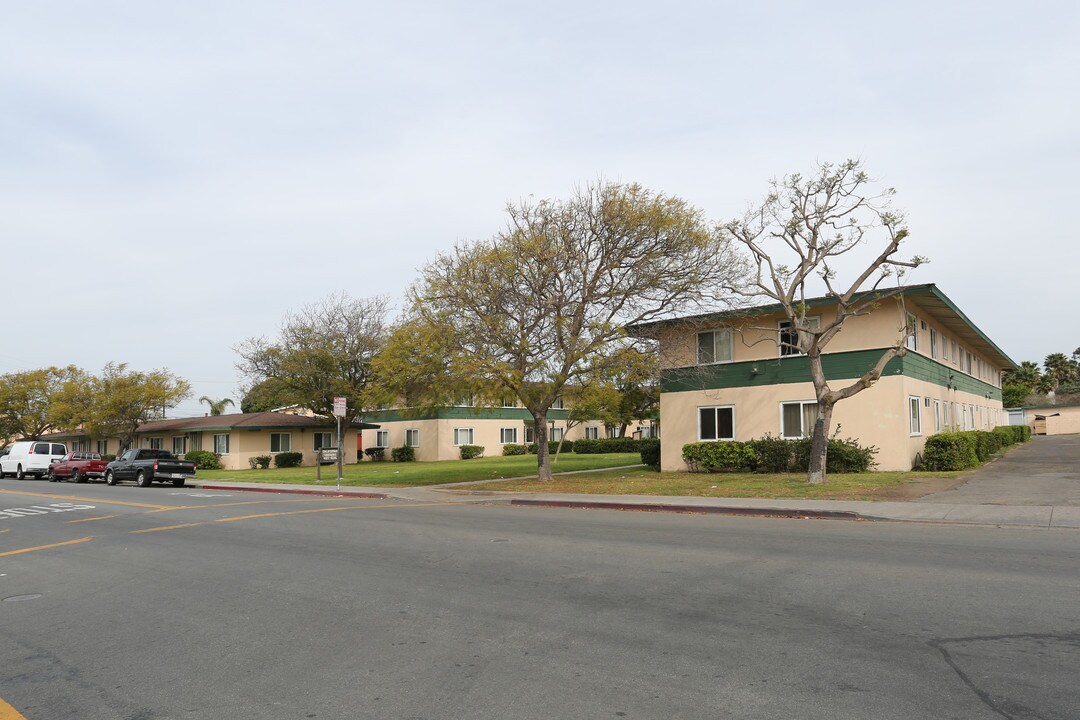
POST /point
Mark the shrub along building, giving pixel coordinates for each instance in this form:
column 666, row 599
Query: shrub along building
column 234, row 438
column 736, row 375
column 439, row 433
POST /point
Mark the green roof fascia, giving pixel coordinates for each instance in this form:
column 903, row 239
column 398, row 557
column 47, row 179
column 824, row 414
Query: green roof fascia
column 837, row 366
column 459, row 413
column 933, row 290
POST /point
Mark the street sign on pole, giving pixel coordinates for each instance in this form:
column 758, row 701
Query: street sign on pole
column 339, row 406
column 340, row 411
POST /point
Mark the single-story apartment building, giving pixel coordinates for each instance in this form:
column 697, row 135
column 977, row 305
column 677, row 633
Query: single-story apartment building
column 235, row 438
column 1048, row 419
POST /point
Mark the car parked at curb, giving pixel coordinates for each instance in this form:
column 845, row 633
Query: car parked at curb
column 31, row 457
column 78, row 467
column 145, row 466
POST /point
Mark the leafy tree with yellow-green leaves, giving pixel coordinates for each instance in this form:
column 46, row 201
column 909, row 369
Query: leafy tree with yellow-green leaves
column 542, row 306
column 30, row 403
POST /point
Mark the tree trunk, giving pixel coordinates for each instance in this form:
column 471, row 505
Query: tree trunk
column 543, row 459
column 819, row 446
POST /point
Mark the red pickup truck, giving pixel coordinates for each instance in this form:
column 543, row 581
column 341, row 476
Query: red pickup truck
column 79, row 466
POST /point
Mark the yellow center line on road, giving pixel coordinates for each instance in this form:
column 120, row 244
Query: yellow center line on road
column 83, row 499
column 166, row 527
column 9, row 713
column 102, row 517
column 231, row 504
column 329, row 509
column 43, row 547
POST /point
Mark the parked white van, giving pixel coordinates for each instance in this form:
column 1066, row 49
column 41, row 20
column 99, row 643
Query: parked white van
column 31, row 457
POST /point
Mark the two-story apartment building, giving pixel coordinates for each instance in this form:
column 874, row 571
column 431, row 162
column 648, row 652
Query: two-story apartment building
column 736, row 375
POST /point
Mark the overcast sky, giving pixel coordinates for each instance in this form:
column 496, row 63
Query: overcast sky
column 175, row 177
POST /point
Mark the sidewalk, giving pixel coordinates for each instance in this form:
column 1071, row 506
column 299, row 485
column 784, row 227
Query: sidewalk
column 1044, row 516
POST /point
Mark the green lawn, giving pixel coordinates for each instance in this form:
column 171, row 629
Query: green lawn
column 392, row 474
column 645, row 481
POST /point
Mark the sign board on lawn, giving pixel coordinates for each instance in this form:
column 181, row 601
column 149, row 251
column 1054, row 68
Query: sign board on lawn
column 339, row 406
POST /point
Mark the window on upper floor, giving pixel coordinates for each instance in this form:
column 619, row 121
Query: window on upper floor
column 714, row 346
column 933, row 343
column 789, row 336
column 912, row 340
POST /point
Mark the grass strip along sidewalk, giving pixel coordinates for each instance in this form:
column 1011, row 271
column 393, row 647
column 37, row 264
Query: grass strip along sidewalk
column 646, row 481
column 414, row 474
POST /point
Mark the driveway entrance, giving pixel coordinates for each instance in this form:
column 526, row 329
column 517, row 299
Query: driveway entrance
column 1045, row 471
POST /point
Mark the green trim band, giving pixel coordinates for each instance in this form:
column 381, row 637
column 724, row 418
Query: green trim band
column 458, row 413
column 837, row 366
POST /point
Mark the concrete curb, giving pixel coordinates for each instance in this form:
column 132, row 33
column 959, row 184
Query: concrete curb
column 289, row 491
column 695, row 509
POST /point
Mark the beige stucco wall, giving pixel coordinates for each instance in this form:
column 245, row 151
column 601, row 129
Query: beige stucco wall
column 756, row 339
column 877, row 416
column 437, row 436
column 245, row 444
column 1066, row 422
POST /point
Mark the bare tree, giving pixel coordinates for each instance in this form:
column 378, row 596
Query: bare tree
column 543, row 305
column 795, row 237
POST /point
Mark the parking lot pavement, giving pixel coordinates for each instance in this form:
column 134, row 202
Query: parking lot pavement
column 1045, row 471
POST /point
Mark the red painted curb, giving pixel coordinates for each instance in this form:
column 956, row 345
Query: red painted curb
column 329, row 493
column 700, row 509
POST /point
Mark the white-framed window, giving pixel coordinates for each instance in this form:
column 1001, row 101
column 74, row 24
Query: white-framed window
column 612, row 431
column 530, row 434
column 556, row 435
column 789, row 336
column 969, row 362
column 155, row 443
column 382, row 438
column 179, row 445
column 463, row 436
column 79, row 445
column 509, row 402
column 508, row 436
column 221, row 444
column 945, row 413
column 714, row 346
column 933, row 343
column 280, row 442
column 955, row 352
column 103, row 447
column 716, row 423
column 412, row 437
column 797, row 418
column 944, row 348
column 592, row 433
column 937, row 415
column 466, row 401
column 322, row 441
column 912, row 340
column 914, row 416
column 559, row 404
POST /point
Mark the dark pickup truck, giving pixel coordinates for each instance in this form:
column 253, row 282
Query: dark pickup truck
column 145, row 466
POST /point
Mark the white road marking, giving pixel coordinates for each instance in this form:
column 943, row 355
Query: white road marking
column 212, row 495
column 16, row 512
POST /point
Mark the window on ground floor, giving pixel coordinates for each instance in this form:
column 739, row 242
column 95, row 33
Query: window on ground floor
column 937, row 416
column 556, row 435
column 103, row 447
column 508, row 436
column 155, row 443
column 382, row 438
column 716, row 423
column 592, row 433
column 322, row 440
column 412, row 437
column 530, row 435
column 797, row 418
column 463, row 436
column 221, row 444
column 179, row 445
column 280, row 442
column 914, row 416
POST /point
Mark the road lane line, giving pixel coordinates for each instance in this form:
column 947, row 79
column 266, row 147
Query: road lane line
column 330, row 509
column 5, row 530
column 103, row 517
column 166, row 527
column 231, row 504
column 83, row 499
column 9, row 713
column 44, row 547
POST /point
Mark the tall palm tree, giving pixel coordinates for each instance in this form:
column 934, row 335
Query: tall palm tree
column 1059, row 369
column 217, row 407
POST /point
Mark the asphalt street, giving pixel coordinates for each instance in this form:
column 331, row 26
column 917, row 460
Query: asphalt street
column 145, row 603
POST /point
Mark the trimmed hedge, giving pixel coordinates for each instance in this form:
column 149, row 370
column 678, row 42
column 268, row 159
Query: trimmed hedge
column 259, row 462
column 203, row 459
column 515, row 449
column 777, row 455
column 468, row 452
column 968, row 448
column 650, row 452
column 403, row 454
column 288, row 459
column 607, row 445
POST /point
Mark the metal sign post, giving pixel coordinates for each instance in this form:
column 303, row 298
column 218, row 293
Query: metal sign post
column 340, row 405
